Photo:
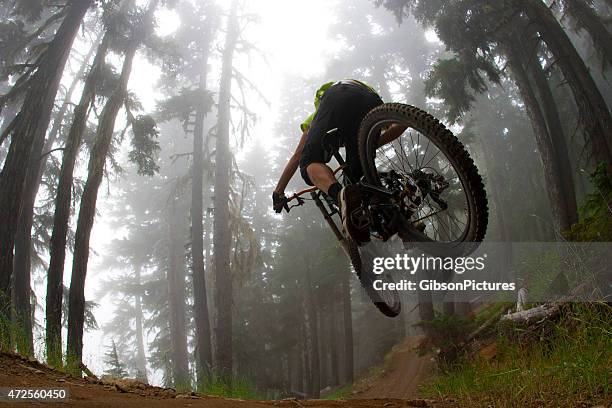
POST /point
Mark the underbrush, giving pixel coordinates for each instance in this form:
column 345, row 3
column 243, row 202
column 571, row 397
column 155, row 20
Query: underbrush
column 595, row 213
column 563, row 363
column 340, row 393
column 242, row 389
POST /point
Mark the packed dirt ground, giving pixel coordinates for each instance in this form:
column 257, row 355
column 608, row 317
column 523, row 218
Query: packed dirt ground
column 400, row 376
column 19, row 372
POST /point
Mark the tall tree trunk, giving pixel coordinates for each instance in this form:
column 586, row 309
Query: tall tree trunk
column 568, row 208
column 141, row 359
column 23, row 238
column 347, row 318
column 223, row 277
column 200, row 299
column 333, row 343
column 426, row 310
column 552, row 173
column 30, row 126
column 305, row 352
column 588, row 20
column 496, row 184
column 87, row 210
column 176, row 303
column 322, row 343
column 8, row 115
column 61, row 217
column 594, row 114
column 300, row 368
column 313, row 336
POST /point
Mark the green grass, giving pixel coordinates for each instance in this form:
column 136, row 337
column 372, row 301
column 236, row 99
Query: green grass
column 569, row 363
column 240, row 388
column 14, row 337
column 340, row 393
column 494, row 309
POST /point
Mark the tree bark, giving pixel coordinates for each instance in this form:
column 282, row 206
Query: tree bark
column 333, row 343
column 594, row 113
column 223, row 277
column 141, row 359
column 200, row 299
column 305, row 352
column 23, row 238
column 87, row 210
column 31, row 125
column 8, row 114
column 568, row 208
column 588, row 20
column 347, row 317
column 300, row 368
column 552, row 174
column 61, row 217
column 426, row 310
column 176, row 304
column 533, row 315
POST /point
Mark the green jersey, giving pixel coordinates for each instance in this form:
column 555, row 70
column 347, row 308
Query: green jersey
column 306, row 124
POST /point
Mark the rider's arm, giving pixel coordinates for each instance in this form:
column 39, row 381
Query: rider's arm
column 394, row 131
column 291, row 166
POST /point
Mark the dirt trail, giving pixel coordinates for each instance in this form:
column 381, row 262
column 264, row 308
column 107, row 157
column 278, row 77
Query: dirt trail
column 18, row 372
column 402, row 375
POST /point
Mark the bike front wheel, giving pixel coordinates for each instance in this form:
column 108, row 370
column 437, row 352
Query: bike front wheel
column 387, row 301
column 442, row 197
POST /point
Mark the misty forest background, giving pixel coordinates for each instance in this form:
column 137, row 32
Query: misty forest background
column 201, row 281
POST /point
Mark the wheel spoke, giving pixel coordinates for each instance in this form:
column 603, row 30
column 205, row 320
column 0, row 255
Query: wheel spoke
column 425, row 154
column 404, row 153
column 438, row 180
column 397, row 155
column 435, row 155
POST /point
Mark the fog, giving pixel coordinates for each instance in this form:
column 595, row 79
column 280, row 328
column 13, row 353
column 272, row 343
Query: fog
column 185, row 275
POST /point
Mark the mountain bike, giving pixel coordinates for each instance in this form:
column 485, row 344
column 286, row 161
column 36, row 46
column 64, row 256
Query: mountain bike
column 421, row 188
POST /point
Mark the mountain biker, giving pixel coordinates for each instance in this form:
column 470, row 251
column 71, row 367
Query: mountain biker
column 339, row 109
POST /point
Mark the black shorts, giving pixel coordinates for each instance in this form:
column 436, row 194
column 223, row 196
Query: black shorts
column 343, row 106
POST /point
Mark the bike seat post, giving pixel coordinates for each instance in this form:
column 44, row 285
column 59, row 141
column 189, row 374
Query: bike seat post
column 332, row 133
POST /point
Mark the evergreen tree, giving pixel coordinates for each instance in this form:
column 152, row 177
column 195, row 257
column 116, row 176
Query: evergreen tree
column 116, row 368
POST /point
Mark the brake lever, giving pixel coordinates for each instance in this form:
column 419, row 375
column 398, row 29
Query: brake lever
column 300, row 201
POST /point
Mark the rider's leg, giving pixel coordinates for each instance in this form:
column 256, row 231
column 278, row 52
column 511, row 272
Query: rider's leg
column 321, row 175
column 393, row 132
column 323, row 178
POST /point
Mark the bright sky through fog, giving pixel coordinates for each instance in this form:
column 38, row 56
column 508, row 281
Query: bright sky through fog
column 295, row 34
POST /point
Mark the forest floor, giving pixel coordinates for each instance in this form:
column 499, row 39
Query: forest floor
column 19, row 372
column 400, row 376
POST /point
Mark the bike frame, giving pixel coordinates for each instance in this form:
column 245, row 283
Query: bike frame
column 406, row 232
column 327, row 211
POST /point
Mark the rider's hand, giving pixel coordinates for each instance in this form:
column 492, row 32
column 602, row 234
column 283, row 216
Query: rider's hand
column 279, row 201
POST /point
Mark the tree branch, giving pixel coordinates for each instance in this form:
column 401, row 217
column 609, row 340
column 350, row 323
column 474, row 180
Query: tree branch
column 51, row 151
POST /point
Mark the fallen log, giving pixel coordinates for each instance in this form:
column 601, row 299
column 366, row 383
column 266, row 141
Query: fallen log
column 533, row 315
column 87, row 371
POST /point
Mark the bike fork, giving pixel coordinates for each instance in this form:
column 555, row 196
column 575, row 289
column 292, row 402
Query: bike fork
column 330, row 221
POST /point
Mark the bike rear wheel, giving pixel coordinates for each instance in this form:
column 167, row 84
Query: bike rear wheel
column 442, row 192
column 387, row 301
